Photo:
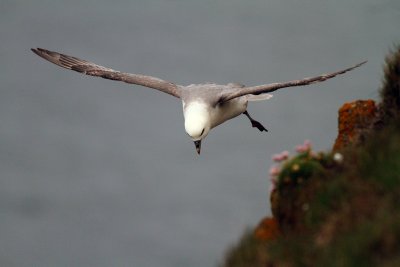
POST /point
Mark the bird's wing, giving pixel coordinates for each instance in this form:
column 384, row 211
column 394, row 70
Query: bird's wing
column 267, row 88
column 92, row 69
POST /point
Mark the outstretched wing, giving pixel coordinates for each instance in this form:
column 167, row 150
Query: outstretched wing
column 267, row 88
column 89, row 68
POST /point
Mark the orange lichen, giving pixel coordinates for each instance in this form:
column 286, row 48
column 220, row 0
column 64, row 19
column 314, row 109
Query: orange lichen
column 268, row 229
column 354, row 117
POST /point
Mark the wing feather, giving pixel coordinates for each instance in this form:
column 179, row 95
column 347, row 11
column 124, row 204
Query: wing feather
column 92, row 69
column 268, row 88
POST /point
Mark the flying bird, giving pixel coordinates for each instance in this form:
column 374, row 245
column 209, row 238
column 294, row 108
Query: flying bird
column 205, row 106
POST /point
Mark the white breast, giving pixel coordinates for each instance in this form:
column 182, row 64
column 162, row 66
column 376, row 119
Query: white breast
column 197, row 118
column 199, row 115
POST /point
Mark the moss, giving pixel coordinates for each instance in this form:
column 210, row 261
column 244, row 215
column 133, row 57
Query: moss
column 299, row 187
column 370, row 242
column 327, row 197
column 381, row 157
column 250, row 252
column 390, row 92
column 299, row 169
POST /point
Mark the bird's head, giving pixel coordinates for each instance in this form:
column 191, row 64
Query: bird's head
column 197, row 122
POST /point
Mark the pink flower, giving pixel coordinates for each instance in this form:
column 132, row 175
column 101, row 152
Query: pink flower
column 273, row 174
column 274, row 183
column 281, row 156
column 274, row 171
column 305, row 147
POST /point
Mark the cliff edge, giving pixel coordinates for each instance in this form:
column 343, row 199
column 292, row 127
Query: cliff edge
column 340, row 207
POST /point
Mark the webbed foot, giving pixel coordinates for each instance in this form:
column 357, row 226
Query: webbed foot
column 255, row 123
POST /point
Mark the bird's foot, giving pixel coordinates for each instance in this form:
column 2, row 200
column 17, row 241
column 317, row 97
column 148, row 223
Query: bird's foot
column 255, row 123
column 258, row 125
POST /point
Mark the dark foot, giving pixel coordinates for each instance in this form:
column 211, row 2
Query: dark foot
column 258, row 125
column 255, row 123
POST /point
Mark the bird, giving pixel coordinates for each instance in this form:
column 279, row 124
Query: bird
column 205, row 105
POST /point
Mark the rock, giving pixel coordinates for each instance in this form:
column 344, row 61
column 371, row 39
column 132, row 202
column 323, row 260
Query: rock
column 354, row 118
column 268, row 229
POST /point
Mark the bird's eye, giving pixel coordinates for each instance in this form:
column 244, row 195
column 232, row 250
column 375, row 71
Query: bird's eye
column 202, row 131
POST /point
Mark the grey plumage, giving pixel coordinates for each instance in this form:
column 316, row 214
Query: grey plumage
column 205, row 106
column 93, row 69
column 221, row 93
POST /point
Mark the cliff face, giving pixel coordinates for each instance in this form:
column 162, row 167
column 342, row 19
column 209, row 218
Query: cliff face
column 341, row 207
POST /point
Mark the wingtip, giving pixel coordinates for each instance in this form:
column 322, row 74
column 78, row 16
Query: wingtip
column 39, row 50
column 362, row 63
column 357, row 65
column 36, row 51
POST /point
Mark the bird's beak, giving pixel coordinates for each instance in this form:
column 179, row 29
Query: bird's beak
column 198, row 146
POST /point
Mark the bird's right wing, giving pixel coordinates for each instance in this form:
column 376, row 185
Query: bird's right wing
column 268, row 88
column 89, row 68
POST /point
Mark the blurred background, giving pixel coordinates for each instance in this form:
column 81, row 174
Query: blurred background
column 100, row 173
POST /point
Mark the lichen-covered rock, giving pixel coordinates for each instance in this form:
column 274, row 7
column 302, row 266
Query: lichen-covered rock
column 354, row 119
column 268, row 229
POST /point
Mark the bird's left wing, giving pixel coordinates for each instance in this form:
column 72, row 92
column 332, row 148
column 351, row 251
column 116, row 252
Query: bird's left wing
column 92, row 69
column 267, row 88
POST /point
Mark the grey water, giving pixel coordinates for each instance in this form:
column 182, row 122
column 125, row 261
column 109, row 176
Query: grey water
column 100, row 173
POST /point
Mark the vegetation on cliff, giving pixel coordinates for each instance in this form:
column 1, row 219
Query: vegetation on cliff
column 342, row 207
